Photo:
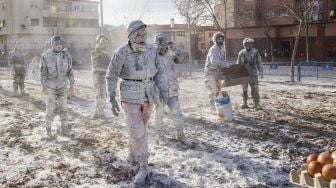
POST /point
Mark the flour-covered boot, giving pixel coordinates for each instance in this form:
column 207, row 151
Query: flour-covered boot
column 142, row 174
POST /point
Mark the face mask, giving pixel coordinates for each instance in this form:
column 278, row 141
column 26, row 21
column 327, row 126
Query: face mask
column 138, row 48
column 102, row 44
column 57, row 46
column 248, row 46
column 220, row 41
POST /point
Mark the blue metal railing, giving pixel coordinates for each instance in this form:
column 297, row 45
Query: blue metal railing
column 316, row 70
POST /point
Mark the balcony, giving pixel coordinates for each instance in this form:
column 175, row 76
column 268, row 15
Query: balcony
column 70, row 14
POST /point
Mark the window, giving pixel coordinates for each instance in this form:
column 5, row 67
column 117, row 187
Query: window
column 3, row 23
column 248, row 14
column 283, row 12
column 180, row 33
column 49, row 22
column 3, row 5
column 33, row 4
column 202, row 46
column 270, row 14
column 35, row 22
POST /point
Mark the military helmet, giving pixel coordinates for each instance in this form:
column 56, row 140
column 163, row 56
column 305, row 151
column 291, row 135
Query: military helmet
column 216, row 35
column 135, row 25
column 55, row 38
column 160, row 38
column 248, row 40
column 100, row 37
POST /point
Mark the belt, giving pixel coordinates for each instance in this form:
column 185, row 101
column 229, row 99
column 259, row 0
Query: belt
column 144, row 80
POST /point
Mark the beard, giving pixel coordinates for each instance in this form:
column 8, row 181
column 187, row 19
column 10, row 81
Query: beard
column 220, row 43
column 139, row 48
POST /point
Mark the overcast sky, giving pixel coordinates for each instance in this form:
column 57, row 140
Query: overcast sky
column 118, row 12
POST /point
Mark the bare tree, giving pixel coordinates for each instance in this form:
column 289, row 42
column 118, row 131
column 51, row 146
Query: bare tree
column 209, row 7
column 301, row 11
column 267, row 19
column 192, row 15
column 132, row 10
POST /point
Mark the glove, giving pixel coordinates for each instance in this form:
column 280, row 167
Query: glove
column 164, row 97
column 261, row 75
column 44, row 91
column 115, row 106
column 71, row 92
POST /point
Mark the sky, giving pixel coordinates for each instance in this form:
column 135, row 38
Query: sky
column 119, row 12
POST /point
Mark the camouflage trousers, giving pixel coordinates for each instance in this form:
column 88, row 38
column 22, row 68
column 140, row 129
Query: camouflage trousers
column 61, row 96
column 213, row 84
column 254, row 85
column 137, row 117
column 19, row 78
column 100, row 99
column 176, row 114
column 100, row 86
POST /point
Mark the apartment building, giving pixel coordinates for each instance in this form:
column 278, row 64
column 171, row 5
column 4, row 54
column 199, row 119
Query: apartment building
column 259, row 18
column 33, row 22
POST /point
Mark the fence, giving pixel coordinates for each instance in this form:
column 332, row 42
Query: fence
column 316, row 70
column 302, row 69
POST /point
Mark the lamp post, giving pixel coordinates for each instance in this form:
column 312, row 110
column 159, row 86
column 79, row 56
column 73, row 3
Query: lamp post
column 101, row 17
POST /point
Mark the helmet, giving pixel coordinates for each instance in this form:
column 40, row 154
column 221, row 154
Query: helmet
column 216, row 35
column 135, row 25
column 100, row 37
column 160, row 39
column 55, row 38
column 247, row 40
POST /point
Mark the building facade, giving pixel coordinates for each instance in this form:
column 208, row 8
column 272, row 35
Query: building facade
column 271, row 25
column 33, row 22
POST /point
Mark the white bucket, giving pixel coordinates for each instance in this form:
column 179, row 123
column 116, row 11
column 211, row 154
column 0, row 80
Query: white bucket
column 224, row 110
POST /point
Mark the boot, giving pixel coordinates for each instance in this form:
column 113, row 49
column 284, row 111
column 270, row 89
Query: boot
column 244, row 106
column 142, row 174
column 95, row 116
column 66, row 130
column 257, row 105
column 180, row 136
column 23, row 93
column 15, row 90
column 48, row 129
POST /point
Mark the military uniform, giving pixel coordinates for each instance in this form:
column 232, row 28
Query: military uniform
column 56, row 72
column 167, row 62
column 20, row 69
column 215, row 60
column 100, row 60
column 135, row 63
column 251, row 57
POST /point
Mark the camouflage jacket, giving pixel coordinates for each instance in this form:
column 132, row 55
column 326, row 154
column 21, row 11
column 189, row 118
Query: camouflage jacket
column 56, row 70
column 140, row 72
column 100, row 60
column 18, row 60
column 215, row 58
column 251, row 58
column 168, row 65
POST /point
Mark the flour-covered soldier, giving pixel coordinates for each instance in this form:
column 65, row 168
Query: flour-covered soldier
column 135, row 63
column 20, row 67
column 251, row 57
column 215, row 61
column 166, row 57
column 100, row 60
column 56, row 74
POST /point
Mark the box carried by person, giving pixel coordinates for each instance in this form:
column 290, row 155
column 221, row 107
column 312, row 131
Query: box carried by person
column 236, row 74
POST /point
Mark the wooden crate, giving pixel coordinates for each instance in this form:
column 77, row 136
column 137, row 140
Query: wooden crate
column 301, row 177
column 236, row 74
